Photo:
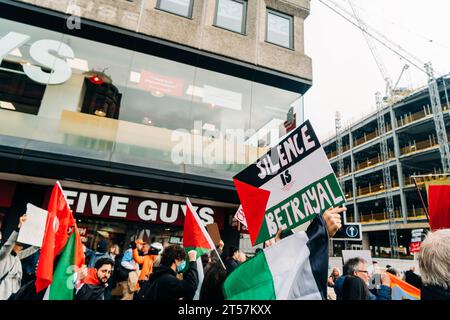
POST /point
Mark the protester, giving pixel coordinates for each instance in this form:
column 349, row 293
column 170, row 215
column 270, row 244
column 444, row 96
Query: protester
column 29, row 265
column 354, row 288
column 333, row 276
column 233, row 259
column 163, row 283
column 358, row 267
column 215, row 275
column 413, row 278
column 434, row 264
column 146, row 260
column 114, row 250
column 129, row 271
column 90, row 284
column 10, row 266
column 242, row 257
column 102, row 252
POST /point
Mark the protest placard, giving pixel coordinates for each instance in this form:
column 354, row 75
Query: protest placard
column 32, row 231
column 288, row 186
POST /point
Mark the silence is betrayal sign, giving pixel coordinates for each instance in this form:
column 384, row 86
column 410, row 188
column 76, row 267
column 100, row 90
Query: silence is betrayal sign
column 287, row 186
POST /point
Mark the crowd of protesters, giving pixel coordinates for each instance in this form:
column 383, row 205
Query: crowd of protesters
column 147, row 271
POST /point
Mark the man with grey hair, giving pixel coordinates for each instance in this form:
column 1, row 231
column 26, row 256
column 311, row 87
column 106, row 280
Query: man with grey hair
column 434, row 263
column 358, row 267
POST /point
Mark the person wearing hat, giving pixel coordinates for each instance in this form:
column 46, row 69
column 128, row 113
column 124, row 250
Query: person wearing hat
column 10, row 266
column 102, row 252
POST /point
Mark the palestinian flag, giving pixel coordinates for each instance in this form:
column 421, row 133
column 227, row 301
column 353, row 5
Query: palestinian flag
column 402, row 290
column 71, row 259
column 59, row 226
column 294, row 268
column 195, row 237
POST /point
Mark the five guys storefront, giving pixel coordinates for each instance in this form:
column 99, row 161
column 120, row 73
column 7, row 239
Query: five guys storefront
column 129, row 124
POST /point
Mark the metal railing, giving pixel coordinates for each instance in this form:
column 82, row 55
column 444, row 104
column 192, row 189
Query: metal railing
column 373, row 161
column 369, row 136
column 333, row 154
column 376, row 188
column 378, row 216
column 408, row 118
column 421, row 145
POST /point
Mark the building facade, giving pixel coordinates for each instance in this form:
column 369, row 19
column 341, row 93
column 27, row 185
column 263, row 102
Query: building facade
column 135, row 105
column 413, row 150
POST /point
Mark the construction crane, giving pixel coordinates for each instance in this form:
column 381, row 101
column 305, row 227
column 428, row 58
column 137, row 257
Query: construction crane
column 427, row 68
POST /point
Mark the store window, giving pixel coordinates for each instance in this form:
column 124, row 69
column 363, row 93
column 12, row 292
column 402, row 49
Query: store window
column 279, row 29
column 118, row 105
column 178, row 7
column 231, row 15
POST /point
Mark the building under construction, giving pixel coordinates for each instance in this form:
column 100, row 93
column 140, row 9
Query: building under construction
column 413, row 149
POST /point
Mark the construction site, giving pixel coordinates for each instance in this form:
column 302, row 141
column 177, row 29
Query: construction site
column 384, row 159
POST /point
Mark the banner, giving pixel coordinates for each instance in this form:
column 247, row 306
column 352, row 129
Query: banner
column 288, row 186
column 439, row 204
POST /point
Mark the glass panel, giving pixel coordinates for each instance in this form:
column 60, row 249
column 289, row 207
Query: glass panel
column 131, row 108
column 157, row 102
column 279, row 30
column 219, row 120
column 230, row 15
column 180, row 7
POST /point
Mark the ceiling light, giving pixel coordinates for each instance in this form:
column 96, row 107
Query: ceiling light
column 100, row 113
column 135, row 77
column 157, row 93
column 7, row 105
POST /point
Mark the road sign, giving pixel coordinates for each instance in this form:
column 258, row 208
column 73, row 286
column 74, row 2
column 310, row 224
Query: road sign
column 350, row 232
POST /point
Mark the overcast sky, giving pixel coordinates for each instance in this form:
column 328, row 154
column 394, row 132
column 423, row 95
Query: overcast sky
column 345, row 76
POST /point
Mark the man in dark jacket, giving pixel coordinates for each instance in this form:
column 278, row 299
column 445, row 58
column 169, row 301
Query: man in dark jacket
column 91, row 283
column 358, row 267
column 163, row 283
column 413, row 278
column 233, row 259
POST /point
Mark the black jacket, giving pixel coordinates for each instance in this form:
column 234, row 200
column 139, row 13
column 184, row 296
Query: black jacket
column 164, row 285
column 231, row 264
column 413, row 279
column 90, row 292
column 434, row 293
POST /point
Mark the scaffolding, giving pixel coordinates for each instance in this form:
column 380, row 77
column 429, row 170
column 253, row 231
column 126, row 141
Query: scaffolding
column 387, row 181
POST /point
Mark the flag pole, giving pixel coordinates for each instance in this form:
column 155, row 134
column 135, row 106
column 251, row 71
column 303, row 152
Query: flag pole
column 421, row 199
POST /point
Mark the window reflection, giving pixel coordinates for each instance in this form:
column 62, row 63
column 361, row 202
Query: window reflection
column 123, row 106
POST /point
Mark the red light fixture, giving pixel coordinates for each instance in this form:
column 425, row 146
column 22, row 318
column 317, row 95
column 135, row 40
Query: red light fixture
column 95, row 79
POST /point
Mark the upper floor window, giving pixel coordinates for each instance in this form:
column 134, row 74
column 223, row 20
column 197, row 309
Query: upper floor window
column 279, row 29
column 179, row 7
column 231, row 15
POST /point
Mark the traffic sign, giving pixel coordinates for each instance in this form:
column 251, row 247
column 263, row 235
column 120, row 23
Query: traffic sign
column 348, row 231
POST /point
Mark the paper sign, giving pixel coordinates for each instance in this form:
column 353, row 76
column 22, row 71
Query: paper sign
column 414, row 247
column 239, row 216
column 32, row 231
column 213, row 231
column 288, row 186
